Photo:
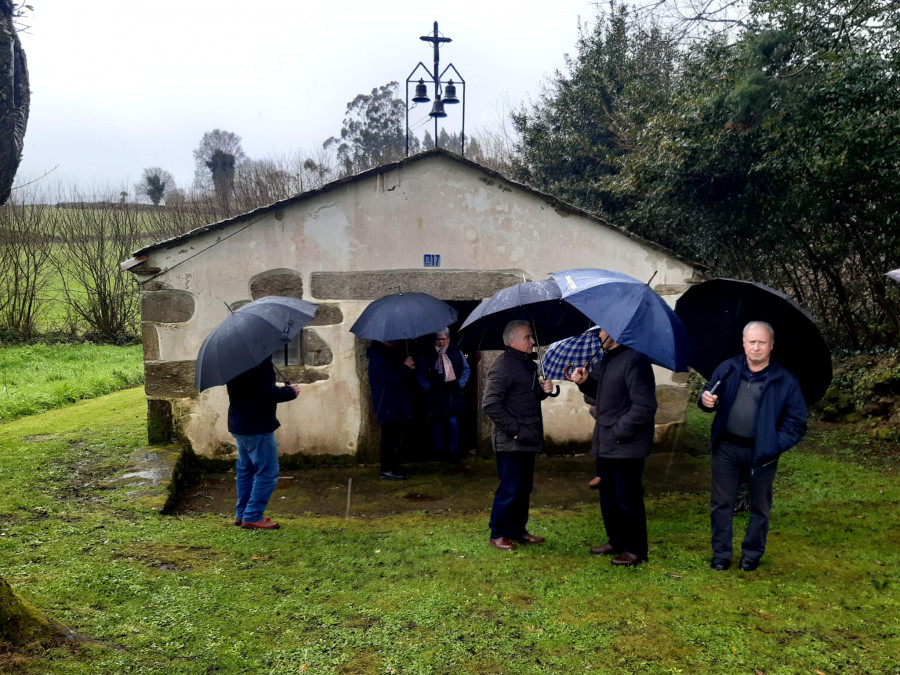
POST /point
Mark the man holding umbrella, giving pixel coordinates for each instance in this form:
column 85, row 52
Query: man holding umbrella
column 624, row 391
column 252, row 398
column 238, row 353
column 512, row 400
column 760, row 413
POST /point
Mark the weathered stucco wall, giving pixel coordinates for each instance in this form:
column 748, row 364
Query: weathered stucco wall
column 343, row 248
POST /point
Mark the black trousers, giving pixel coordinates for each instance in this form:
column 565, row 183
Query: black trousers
column 731, row 465
column 622, row 504
column 392, row 434
column 509, row 515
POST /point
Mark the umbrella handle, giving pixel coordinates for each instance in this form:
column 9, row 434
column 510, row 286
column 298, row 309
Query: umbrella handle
column 566, row 373
column 281, row 375
column 555, row 393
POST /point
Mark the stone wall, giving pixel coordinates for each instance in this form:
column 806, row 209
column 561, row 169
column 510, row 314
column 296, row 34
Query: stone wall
column 322, row 246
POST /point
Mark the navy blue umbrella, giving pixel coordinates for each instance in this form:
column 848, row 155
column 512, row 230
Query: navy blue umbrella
column 249, row 335
column 538, row 302
column 630, row 311
column 716, row 311
column 403, row 316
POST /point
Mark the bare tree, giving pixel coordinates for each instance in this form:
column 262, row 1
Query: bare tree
column 155, row 184
column 262, row 182
column 95, row 289
column 692, row 20
column 494, row 145
column 27, row 235
column 217, row 157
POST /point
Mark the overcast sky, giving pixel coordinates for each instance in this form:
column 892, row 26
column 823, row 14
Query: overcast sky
column 121, row 85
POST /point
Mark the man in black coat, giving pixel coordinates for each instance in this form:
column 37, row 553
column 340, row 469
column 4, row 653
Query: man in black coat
column 512, row 400
column 624, row 390
column 389, row 372
column 252, row 399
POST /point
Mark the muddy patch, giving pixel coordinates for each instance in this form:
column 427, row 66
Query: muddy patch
column 436, row 487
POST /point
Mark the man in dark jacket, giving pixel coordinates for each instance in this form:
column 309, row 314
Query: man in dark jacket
column 760, row 413
column 252, row 398
column 624, row 392
column 389, row 371
column 512, row 400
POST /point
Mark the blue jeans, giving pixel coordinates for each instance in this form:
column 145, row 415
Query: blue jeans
column 731, row 465
column 509, row 515
column 446, row 425
column 256, row 475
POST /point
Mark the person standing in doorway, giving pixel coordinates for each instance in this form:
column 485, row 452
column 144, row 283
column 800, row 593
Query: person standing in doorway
column 389, row 373
column 252, row 399
column 442, row 374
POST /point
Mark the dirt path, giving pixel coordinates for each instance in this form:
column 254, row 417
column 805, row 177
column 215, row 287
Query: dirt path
column 437, row 487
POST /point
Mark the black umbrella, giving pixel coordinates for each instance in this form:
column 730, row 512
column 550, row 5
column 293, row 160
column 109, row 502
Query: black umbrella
column 715, row 313
column 403, row 316
column 538, row 302
column 249, row 335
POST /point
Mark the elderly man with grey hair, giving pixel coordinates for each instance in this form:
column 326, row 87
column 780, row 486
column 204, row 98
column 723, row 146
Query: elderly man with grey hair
column 760, row 413
column 512, row 400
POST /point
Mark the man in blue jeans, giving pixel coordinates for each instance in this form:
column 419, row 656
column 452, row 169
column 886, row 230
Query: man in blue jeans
column 252, row 398
column 760, row 413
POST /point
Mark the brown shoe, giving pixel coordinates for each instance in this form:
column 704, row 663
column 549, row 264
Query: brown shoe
column 529, row 539
column 264, row 524
column 626, row 559
column 503, row 544
column 606, row 549
column 238, row 522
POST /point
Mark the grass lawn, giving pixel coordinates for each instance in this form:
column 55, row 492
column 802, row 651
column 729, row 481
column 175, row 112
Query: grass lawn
column 422, row 592
column 35, row 378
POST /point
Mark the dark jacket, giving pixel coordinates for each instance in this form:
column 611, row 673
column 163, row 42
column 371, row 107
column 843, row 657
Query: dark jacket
column 512, row 400
column 624, row 392
column 388, row 378
column 780, row 416
column 252, row 398
column 443, row 398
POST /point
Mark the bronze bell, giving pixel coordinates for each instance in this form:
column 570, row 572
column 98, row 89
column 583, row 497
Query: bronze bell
column 450, row 93
column 421, row 93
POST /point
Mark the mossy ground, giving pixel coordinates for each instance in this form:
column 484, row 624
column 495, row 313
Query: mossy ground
column 417, row 590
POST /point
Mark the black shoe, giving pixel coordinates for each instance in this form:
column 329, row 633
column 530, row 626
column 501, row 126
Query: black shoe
column 720, row 564
column 392, row 475
column 747, row 564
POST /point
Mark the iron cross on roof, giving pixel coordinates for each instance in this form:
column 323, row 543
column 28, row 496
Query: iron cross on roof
column 436, row 41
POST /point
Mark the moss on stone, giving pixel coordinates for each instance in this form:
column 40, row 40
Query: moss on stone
column 20, row 622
